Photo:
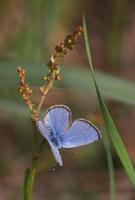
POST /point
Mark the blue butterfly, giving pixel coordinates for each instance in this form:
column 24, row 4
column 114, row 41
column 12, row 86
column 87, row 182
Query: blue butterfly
column 57, row 129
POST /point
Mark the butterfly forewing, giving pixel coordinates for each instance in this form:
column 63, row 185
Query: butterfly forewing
column 81, row 132
column 57, row 118
column 43, row 130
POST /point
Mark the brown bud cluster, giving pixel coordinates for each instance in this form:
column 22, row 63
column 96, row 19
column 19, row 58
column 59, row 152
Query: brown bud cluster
column 60, row 52
column 78, row 32
column 25, row 90
column 54, row 70
column 68, row 43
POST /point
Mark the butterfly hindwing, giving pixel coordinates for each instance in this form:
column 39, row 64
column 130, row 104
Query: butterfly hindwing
column 81, row 132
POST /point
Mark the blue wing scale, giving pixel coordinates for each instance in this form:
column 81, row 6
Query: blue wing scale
column 43, row 130
column 81, row 132
column 58, row 119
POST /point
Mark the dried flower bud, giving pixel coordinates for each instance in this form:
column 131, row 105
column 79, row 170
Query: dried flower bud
column 69, row 42
column 44, row 77
column 42, row 89
column 59, row 77
column 24, row 88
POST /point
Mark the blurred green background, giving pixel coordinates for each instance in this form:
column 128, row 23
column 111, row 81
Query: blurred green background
column 29, row 31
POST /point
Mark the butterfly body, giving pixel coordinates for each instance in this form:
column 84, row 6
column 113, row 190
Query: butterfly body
column 57, row 141
column 57, row 129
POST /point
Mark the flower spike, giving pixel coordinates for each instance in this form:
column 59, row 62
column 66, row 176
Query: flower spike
column 52, row 74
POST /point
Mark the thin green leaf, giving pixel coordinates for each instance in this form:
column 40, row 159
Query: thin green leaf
column 109, row 124
column 110, row 165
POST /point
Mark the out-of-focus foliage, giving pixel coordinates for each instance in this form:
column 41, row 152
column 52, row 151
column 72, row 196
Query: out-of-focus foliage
column 28, row 34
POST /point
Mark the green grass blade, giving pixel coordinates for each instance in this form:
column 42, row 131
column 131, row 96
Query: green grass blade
column 105, row 138
column 110, row 165
column 109, row 124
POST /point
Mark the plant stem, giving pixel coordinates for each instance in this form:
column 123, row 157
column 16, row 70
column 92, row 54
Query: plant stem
column 30, row 177
column 30, row 173
column 48, row 87
column 31, row 182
